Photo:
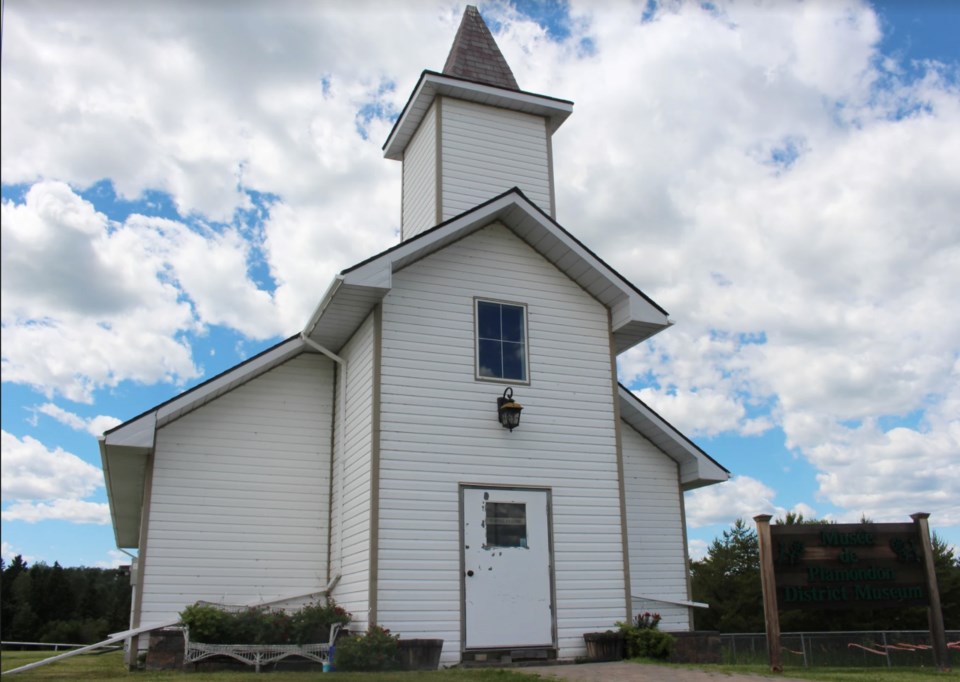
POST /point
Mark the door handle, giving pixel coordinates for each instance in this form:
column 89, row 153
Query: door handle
column 469, row 574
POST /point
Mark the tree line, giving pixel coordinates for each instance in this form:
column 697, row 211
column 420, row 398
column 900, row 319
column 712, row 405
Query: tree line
column 41, row 603
column 728, row 579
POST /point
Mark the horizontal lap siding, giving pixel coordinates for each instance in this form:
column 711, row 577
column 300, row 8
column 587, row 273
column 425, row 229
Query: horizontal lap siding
column 240, row 497
column 485, row 151
column 420, row 178
column 439, row 429
column 352, row 592
column 657, row 562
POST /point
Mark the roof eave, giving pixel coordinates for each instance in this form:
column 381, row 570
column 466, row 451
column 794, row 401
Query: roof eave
column 432, row 84
column 696, row 467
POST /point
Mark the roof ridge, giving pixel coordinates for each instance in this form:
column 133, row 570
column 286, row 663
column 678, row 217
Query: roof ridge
column 475, row 56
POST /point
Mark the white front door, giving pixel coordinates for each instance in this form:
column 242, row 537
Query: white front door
column 506, row 563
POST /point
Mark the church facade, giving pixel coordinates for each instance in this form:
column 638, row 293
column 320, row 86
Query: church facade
column 370, row 457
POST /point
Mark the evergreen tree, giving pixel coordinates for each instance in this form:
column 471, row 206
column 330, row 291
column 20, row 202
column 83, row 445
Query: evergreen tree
column 728, row 579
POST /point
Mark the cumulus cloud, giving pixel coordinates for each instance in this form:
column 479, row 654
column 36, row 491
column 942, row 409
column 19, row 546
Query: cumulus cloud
column 761, row 170
column 75, row 511
column 742, row 497
column 95, row 426
column 32, row 472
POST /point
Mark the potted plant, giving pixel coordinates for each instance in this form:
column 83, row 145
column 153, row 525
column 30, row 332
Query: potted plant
column 604, row 646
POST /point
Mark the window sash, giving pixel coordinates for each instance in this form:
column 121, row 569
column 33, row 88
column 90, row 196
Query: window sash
column 501, row 343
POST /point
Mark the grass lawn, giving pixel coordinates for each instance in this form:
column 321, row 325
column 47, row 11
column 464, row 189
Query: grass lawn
column 110, row 667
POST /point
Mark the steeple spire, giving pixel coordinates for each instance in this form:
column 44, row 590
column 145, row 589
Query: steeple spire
column 475, row 56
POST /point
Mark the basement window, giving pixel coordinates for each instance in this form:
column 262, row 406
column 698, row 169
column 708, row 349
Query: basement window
column 501, row 341
column 506, row 524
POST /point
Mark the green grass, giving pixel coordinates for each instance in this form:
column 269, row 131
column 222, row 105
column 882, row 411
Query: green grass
column 110, row 667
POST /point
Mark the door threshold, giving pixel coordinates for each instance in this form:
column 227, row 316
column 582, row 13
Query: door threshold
column 500, row 656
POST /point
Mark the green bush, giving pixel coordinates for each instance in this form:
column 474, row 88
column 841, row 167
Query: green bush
column 648, row 643
column 377, row 649
column 312, row 623
column 642, row 639
column 259, row 625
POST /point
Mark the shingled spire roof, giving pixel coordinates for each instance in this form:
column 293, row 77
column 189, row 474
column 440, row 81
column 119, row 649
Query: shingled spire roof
column 475, row 56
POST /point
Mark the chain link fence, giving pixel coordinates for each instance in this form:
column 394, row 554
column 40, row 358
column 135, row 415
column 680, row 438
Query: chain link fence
column 868, row 648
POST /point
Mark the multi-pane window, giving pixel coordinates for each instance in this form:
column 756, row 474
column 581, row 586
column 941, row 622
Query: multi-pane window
column 501, row 341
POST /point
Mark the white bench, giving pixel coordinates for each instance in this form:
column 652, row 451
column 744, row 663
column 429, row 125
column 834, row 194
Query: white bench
column 258, row 654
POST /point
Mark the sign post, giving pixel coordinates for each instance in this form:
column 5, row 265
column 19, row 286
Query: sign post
column 938, row 635
column 771, row 616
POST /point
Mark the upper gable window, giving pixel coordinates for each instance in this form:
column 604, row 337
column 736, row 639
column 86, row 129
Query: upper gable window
column 501, row 341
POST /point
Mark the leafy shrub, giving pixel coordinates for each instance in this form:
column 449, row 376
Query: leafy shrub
column 377, row 649
column 259, row 625
column 644, row 640
column 312, row 623
column 648, row 643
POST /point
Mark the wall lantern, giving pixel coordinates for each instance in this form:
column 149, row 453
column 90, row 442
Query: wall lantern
column 508, row 411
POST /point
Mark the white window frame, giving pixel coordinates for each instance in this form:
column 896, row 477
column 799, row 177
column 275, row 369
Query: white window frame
column 476, row 342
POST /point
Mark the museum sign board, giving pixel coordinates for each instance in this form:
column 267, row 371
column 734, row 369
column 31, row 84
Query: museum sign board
column 848, row 566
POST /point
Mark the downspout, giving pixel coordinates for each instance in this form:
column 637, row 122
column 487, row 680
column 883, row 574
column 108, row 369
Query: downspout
column 334, row 579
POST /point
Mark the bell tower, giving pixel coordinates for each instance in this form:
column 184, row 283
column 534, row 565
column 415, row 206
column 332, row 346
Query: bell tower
column 469, row 134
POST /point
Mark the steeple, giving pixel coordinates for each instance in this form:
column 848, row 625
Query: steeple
column 475, row 56
column 470, row 133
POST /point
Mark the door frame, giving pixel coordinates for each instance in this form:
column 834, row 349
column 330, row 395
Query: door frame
column 551, row 565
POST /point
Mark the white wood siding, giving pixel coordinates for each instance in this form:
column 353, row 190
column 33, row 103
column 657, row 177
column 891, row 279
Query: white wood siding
column 420, row 178
column 352, row 592
column 485, row 151
column 657, row 565
column 240, row 500
column 439, row 429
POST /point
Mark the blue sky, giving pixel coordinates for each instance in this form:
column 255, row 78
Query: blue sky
column 181, row 184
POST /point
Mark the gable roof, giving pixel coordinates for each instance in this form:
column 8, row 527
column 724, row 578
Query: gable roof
column 356, row 290
column 475, row 56
column 697, row 468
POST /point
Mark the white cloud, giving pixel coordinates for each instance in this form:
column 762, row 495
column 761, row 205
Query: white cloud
column 758, row 170
column 95, row 426
column 74, row 511
column 697, row 549
column 32, row 472
column 741, row 497
column 116, row 560
column 8, row 552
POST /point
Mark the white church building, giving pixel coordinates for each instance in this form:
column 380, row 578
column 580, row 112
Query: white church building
column 366, row 457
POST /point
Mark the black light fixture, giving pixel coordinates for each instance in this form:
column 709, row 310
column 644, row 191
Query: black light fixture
column 508, row 411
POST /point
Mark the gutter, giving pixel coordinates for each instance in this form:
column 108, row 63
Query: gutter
column 343, row 421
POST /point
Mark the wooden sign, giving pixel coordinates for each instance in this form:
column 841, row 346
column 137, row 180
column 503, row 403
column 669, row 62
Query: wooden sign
column 848, row 566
